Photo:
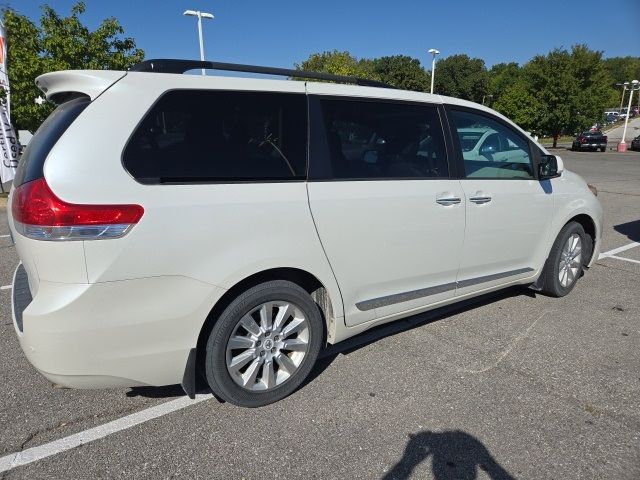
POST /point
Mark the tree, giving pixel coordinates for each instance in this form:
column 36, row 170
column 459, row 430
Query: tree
column 462, row 77
column 573, row 88
column 551, row 80
column 59, row 43
column 594, row 87
column 403, row 72
column 621, row 69
column 520, row 105
column 338, row 63
column 501, row 77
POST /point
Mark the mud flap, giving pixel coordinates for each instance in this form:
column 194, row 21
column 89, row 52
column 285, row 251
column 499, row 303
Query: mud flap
column 189, row 378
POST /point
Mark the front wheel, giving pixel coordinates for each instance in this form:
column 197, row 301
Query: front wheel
column 564, row 265
column 264, row 344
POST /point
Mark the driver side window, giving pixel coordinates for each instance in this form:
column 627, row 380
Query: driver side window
column 491, row 149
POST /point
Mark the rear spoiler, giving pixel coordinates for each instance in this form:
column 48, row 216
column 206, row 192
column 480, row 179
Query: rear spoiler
column 66, row 84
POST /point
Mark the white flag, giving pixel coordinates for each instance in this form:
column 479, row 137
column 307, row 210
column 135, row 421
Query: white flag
column 8, row 147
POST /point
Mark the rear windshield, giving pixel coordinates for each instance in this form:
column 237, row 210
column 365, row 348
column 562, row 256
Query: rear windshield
column 32, row 160
column 209, row 136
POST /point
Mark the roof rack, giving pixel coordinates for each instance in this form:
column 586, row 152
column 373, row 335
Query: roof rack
column 181, row 66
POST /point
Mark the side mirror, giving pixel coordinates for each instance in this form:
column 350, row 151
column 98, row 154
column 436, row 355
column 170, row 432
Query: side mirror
column 550, row 166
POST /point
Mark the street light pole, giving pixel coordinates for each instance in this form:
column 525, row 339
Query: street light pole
column 624, row 89
column 200, row 15
column 635, row 86
column 434, row 52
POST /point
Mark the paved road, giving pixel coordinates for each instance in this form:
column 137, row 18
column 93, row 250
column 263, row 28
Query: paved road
column 633, row 130
column 517, row 385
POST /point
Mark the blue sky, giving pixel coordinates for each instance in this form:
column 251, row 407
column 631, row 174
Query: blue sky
column 281, row 32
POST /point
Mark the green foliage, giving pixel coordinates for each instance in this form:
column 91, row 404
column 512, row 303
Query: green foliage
column 551, row 79
column 399, row 70
column 59, row 43
column 501, row 77
column 403, row 72
column 623, row 69
column 594, row 88
column 520, row 105
column 573, row 88
column 338, row 63
column 462, row 77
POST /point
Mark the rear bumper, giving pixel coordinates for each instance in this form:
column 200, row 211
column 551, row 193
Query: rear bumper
column 113, row 334
column 588, row 146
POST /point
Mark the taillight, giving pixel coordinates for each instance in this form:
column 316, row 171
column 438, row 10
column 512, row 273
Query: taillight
column 583, row 140
column 39, row 214
column 605, row 139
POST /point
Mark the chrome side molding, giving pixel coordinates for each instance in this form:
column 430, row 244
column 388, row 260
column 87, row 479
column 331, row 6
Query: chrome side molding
column 425, row 292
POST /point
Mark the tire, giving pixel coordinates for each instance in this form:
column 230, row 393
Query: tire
column 603, row 149
column 257, row 373
column 555, row 284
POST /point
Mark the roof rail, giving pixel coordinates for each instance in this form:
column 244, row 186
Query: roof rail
column 180, row 66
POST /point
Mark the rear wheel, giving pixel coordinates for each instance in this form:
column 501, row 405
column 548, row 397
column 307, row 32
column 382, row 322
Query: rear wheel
column 264, row 344
column 602, row 149
column 564, row 265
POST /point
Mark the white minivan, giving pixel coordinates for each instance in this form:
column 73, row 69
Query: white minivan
column 172, row 227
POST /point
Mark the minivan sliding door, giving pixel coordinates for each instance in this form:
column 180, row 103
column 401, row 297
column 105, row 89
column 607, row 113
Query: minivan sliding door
column 388, row 215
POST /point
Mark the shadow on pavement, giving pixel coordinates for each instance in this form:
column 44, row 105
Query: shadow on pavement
column 455, row 455
column 630, row 229
column 398, row 326
column 156, row 392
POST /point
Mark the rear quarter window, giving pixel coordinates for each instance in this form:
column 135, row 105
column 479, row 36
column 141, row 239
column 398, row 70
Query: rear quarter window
column 192, row 136
column 31, row 164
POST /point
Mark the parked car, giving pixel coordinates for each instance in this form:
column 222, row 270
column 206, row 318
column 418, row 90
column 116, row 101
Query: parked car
column 590, row 140
column 233, row 227
column 635, row 143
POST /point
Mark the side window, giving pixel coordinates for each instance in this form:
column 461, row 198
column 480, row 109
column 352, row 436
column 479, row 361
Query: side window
column 491, row 149
column 196, row 135
column 368, row 139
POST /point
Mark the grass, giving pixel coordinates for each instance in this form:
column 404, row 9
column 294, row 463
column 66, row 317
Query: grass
column 549, row 140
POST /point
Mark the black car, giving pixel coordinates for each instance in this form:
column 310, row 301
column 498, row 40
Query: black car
column 635, row 143
column 590, row 140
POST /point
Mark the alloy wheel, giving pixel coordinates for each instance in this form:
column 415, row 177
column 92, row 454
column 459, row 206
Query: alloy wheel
column 570, row 260
column 267, row 345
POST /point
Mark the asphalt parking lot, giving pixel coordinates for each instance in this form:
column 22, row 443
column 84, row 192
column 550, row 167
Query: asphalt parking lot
column 516, row 385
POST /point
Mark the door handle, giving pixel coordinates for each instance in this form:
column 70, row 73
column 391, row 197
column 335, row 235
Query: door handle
column 480, row 199
column 449, row 200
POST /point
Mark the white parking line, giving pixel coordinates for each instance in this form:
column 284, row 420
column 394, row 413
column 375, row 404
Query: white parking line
column 5, row 236
column 34, row 454
column 625, row 259
column 610, row 253
column 6, row 287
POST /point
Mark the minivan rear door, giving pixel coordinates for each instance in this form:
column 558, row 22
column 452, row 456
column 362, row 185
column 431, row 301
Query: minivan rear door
column 389, row 217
